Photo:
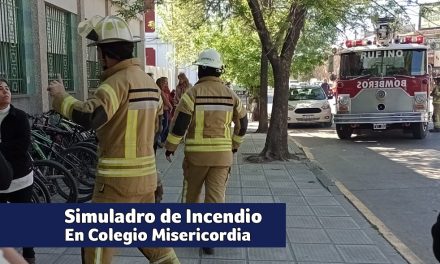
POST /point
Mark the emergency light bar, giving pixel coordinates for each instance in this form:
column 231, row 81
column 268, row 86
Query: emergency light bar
column 357, row 43
column 402, row 40
column 412, row 39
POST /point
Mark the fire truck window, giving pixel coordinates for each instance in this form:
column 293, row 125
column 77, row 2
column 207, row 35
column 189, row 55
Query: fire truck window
column 418, row 62
column 351, row 65
column 383, row 63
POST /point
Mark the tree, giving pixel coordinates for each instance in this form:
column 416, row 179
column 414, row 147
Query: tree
column 279, row 31
column 129, row 9
column 276, row 146
column 186, row 26
column 263, row 124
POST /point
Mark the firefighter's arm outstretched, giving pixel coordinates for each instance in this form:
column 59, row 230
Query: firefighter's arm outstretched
column 92, row 113
column 240, row 123
column 179, row 124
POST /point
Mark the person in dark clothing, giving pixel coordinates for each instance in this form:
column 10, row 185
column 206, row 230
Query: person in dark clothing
column 15, row 139
column 162, row 82
column 326, row 87
column 435, row 231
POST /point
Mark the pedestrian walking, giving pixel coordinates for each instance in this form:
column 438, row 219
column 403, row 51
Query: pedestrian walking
column 162, row 82
column 123, row 112
column 181, row 87
column 205, row 113
column 158, row 194
column 15, row 140
column 326, row 87
column 435, row 93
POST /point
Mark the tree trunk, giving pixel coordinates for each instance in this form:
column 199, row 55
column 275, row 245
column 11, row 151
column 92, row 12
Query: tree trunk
column 263, row 124
column 276, row 147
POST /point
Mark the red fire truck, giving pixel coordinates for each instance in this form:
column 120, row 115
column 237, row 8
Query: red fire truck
column 383, row 84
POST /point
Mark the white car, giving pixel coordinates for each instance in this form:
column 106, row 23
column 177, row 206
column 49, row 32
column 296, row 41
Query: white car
column 307, row 105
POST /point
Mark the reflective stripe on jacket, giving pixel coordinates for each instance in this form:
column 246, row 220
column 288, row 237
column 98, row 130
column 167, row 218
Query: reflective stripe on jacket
column 205, row 113
column 124, row 112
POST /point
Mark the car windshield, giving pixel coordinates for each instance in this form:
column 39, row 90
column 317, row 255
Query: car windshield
column 380, row 63
column 307, row 93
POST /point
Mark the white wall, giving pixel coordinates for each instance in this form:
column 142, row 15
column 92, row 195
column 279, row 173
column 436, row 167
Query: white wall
column 164, row 58
column 165, row 55
column 93, row 8
column 135, row 27
column 69, row 5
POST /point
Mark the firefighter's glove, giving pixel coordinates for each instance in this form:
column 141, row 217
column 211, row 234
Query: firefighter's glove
column 234, row 150
column 56, row 87
column 168, row 155
column 158, row 194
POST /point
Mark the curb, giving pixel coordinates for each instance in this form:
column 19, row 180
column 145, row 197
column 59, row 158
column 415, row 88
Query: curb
column 336, row 187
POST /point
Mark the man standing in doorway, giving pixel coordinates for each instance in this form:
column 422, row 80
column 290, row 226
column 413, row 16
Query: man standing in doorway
column 204, row 114
column 124, row 113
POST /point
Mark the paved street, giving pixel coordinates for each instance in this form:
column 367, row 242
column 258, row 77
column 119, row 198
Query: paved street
column 395, row 176
column 322, row 227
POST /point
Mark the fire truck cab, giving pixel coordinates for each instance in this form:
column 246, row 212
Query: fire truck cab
column 383, row 84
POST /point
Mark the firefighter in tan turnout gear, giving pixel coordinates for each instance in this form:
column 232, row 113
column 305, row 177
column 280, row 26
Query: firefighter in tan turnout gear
column 436, row 104
column 204, row 114
column 123, row 112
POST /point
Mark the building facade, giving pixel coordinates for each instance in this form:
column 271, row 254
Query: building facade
column 39, row 42
column 160, row 54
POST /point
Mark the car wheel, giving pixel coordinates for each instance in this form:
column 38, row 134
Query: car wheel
column 344, row 131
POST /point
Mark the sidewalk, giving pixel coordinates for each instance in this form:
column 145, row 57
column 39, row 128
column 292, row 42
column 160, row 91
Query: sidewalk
column 322, row 226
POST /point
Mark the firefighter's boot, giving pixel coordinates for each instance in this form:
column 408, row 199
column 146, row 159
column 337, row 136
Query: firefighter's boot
column 208, row 251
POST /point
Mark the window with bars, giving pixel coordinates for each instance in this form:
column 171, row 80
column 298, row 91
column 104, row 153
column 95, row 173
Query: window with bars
column 11, row 46
column 93, row 67
column 59, row 46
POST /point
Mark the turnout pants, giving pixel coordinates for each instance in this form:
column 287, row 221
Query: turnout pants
column 436, row 115
column 215, row 179
column 110, row 194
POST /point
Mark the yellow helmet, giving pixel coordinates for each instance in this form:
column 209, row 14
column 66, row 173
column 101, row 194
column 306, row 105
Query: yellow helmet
column 106, row 30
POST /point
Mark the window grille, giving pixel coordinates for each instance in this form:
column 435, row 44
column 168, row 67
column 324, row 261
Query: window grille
column 59, row 46
column 11, row 46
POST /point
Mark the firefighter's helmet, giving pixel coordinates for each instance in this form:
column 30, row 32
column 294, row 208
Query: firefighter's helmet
column 106, row 30
column 210, row 58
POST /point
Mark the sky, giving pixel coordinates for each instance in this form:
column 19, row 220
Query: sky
column 411, row 8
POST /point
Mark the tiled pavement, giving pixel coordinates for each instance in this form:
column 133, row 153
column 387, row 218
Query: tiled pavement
column 322, row 227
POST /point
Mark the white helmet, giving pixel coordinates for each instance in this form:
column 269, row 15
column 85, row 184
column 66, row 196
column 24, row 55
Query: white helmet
column 210, row 58
column 106, row 30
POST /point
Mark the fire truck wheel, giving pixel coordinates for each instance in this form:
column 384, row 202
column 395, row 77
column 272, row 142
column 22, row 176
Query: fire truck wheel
column 419, row 130
column 344, row 131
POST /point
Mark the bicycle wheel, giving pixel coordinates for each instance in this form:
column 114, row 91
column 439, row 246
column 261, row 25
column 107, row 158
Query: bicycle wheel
column 58, row 180
column 82, row 162
column 40, row 193
column 88, row 145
